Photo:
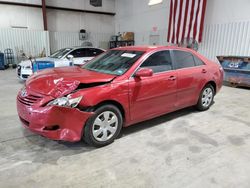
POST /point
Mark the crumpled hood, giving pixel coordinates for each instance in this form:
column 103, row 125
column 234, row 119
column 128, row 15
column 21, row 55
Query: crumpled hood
column 61, row 81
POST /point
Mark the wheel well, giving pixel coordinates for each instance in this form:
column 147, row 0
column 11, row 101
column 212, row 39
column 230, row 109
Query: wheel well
column 212, row 83
column 115, row 103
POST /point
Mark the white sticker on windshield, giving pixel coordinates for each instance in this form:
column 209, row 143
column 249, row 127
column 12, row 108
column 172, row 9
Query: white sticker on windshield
column 129, row 55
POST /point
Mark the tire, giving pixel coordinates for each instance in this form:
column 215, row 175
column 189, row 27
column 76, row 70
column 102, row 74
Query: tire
column 100, row 130
column 206, row 98
column 6, row 66
column 232, row 84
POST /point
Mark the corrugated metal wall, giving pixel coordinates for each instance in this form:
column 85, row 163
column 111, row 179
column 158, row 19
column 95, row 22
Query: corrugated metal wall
column 218, row 39
column 143, row 38
column 226, row 39
column 60, row 40
column 30, row 41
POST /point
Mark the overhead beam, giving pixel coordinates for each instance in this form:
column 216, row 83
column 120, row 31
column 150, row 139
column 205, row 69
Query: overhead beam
column 57, row 8
column 45, row 25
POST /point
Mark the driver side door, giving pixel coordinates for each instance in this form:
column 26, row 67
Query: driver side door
column 155, row 95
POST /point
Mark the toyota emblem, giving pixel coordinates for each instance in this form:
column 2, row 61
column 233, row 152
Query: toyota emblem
column 24, row 92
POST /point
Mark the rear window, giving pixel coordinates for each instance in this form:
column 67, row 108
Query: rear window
column 183, row 59
column 198, row 61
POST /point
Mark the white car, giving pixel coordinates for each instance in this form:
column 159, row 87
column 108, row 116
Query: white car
column 61, row 58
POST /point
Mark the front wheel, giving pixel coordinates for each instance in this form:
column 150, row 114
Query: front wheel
column 104, row 126
column 206, row 98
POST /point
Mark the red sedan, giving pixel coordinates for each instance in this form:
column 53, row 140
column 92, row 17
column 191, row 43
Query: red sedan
column 119, row 88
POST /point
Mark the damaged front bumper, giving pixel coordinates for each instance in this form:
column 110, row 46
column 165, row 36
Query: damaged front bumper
column 54, row 122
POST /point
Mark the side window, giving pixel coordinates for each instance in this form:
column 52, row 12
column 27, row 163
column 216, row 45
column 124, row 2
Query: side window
column 91, row 52
column 158, row 62
column 97, row 52
column 183, row 59
column 79, row 52
column 197, row 61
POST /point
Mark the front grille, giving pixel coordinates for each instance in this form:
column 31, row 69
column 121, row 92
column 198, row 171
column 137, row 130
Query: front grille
column 25, row 75
column 29, row 100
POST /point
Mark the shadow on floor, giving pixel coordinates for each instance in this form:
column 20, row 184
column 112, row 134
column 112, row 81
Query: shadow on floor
column 42, row 150
column 156, row 121
column 124, row 132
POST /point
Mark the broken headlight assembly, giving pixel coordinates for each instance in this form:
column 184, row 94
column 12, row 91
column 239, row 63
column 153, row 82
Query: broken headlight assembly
column 66, row 102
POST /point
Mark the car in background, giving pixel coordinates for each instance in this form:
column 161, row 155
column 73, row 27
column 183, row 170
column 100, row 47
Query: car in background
column 121, row 87
column 64, row 57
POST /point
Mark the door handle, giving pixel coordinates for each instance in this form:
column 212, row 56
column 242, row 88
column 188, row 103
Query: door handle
column 204, row 71
column 172, row 78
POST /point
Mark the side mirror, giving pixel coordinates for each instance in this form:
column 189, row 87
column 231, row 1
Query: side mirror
column 144, row 72
column 69, row 57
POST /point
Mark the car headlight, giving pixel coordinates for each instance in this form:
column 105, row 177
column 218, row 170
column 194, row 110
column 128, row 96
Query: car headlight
column 66, row 102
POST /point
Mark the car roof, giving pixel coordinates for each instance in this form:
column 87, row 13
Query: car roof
column 152, row 48
column 77, row 47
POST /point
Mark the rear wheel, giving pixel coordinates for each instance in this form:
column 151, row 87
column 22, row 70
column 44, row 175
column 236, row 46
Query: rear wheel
column 104, row 126
column 206, row 98
column 233, row 84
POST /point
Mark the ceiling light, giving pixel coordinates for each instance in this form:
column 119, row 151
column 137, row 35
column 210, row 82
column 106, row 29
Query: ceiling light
column 154, row 2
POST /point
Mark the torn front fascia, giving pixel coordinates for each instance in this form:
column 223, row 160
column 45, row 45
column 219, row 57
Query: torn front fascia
column 84, row 86
column 94, row 84
column 86, row 108
column 62, row 91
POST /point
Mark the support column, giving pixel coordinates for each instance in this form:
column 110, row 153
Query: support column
column 45, row 26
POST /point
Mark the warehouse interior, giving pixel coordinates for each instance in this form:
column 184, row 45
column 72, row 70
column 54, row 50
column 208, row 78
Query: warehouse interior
column 185, row 148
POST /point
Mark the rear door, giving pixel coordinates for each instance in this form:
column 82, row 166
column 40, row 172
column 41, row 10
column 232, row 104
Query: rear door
column 155, row 95
column 191, row 77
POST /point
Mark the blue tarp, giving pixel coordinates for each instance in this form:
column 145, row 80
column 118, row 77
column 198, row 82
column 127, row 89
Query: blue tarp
column 2, row 61
column 40, row 65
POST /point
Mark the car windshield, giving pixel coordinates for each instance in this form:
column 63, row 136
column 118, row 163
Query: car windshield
column 115, row 62
column 60, row 53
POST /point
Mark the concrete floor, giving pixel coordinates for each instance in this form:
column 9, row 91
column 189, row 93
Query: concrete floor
column 183, row 149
